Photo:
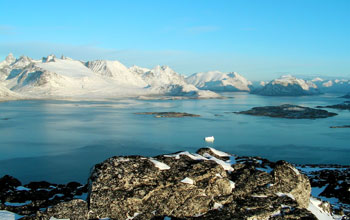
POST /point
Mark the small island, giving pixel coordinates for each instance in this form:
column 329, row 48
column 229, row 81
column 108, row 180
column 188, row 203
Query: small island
column 340, row 126
column 168, row 114
column 342, row 106
column 288, row 111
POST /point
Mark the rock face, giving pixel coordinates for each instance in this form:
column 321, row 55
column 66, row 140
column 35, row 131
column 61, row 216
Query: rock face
column 187, row 186
column 288, row 111
column 168, row 114
column 209, row 184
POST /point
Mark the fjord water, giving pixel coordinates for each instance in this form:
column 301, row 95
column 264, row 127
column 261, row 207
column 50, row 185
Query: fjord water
column 59, row 141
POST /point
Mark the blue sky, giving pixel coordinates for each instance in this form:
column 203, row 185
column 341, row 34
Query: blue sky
column 260, row 39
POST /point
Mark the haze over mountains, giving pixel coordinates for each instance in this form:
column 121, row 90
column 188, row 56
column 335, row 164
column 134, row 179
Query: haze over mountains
column 53, row 77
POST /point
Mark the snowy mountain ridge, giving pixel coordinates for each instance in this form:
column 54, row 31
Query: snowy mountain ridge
column 53, row 77
column 288, row 86
column 218, row 81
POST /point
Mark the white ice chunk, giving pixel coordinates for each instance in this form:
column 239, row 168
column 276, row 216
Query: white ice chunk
column 159, row 165
column 209, row 139
column 187, row 180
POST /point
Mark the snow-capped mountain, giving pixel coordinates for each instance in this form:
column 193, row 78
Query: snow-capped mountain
column 53, row 77
column 288, row 86
column 163, row 75
column 218, row 81
column 6, row 94
column 138, row 70
column 333, row 85
column 116, row 70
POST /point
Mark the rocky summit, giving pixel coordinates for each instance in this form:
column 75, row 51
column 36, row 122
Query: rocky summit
column 208, row 184
column 288, row 111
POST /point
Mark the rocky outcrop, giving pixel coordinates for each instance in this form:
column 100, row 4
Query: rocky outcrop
column 341, row 106
column 168, row 114
column 209, row 184
column 30, row 198
column 288, row 111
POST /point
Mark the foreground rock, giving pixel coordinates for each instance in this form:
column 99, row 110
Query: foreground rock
column 288, row 111
column 342, row 106
column 28, row 199
column 207, row 185
column 168, row 114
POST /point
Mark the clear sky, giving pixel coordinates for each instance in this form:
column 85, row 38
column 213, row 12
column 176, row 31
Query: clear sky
column 260, row 39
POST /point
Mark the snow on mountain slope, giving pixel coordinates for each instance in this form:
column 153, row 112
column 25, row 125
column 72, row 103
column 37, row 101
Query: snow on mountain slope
column 218, row 81
column 52, row 77
column 185, row 90
column 165, row 81
column 288, row 86
column 116, row 70
column 163, row 75
column 6, row 94
column 138, row 70
column 334, row 86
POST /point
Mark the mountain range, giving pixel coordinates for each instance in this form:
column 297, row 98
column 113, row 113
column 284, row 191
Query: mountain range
column 63, row 77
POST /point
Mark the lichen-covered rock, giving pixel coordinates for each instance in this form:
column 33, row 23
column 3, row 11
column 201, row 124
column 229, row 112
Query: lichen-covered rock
column 208, row 185
column 76, row 209
column 121, row 187
column 185, row 186
column 287, row 179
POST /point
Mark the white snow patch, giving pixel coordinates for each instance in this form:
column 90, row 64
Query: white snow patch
column 232, row 184
column 187, row 180
column 317, row 211
column 159, row 165
column 296, row 171
column 259, row 196
column 219, row 153
column 285, row 194
column 217, row 206
column 226, row 166
column 186, row 153
column 132, row 217
column 53, row 218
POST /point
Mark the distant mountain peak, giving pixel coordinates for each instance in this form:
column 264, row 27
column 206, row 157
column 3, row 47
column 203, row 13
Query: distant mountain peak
column 10, row 58
column 49, row 58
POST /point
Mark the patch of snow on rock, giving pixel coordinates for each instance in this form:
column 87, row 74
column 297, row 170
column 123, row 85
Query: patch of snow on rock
column 188, row 181
column 159, row 165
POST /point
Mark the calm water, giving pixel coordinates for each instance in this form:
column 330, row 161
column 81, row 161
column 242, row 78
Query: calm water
column 60, row 141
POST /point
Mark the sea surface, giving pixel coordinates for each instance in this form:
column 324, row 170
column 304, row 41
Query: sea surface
column 59, row 141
